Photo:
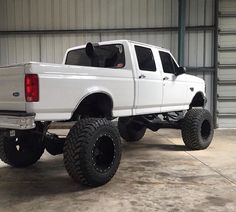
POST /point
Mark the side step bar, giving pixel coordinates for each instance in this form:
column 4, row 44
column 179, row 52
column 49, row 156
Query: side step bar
column 157, row 123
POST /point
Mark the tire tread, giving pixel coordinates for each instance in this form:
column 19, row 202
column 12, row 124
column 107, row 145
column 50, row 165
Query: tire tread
column 75, row 150
column 190, row 129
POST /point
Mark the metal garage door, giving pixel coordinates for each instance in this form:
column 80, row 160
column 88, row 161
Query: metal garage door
column 226, row 105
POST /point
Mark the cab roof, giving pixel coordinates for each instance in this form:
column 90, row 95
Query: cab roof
column 122, row 41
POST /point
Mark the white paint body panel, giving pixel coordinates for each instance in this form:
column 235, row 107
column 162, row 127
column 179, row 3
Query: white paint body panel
column 63, row 87
column 12, row 83
column 149, row 89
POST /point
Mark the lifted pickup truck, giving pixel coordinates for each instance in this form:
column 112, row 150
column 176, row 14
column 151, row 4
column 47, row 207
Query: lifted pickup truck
column 140, row 84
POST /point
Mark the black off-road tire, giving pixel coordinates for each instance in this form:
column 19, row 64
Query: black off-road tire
column 129, row 130
column 197, row 129
column 92, row 151
column 21, row 151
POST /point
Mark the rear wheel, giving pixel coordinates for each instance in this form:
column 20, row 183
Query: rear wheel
column 21, row 150
column 197, row 129
column 92, row 151
column 130, row 130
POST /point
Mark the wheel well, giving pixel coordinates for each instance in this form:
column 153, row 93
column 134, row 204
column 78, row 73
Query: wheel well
column 198, row 100
column 98, row 105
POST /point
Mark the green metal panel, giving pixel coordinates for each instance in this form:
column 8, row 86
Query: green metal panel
column 181, row 35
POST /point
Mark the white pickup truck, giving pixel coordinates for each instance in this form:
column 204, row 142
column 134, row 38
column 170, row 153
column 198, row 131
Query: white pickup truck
column 140, row 84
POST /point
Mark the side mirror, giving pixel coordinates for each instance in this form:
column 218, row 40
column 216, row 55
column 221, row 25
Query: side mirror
column 180, row 70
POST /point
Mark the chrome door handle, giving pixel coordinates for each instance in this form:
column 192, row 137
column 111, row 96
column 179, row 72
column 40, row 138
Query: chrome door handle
column 142, row 76
column 165, row 78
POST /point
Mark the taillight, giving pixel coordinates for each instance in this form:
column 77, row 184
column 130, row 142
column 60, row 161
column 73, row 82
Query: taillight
column 31, row 88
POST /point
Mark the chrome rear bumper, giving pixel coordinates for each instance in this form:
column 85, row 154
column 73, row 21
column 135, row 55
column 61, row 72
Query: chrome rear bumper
column 17, row 120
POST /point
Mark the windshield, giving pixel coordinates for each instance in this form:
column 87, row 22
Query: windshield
column 106, row 56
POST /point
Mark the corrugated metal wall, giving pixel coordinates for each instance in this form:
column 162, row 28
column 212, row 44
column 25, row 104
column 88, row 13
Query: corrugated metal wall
column 18, row 15
column 226, row 104
column 87, row 14
column 103, row 14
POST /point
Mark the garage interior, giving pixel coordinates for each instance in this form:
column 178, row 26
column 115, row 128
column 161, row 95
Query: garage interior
column 158, row 173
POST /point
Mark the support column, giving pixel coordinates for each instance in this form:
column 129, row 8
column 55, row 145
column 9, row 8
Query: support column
column 181, row 31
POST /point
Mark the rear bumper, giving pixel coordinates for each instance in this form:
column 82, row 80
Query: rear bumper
column 17, row 120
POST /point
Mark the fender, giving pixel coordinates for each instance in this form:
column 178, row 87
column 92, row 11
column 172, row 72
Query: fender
column 91, row 91
column 198, row 100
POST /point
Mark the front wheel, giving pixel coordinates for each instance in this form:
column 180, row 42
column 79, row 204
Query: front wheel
column 197, row 129
column 92, row 151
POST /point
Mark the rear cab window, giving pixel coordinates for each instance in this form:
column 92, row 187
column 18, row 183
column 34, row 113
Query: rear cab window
column 145, row 58
column 106, row 56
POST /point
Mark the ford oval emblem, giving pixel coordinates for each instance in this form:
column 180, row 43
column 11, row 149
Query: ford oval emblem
column 16, row 94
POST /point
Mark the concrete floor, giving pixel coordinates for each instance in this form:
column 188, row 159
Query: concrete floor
column 156, row 174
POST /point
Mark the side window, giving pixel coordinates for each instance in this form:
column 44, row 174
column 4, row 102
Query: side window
column 168, row 64
column 145, row 59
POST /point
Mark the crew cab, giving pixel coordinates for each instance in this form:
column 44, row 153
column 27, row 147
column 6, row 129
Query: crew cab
column 140, row 84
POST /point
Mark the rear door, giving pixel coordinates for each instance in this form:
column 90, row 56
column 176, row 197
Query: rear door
column 148, row 80
column 174, row 87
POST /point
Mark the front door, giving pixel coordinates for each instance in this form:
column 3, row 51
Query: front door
column 174, row 87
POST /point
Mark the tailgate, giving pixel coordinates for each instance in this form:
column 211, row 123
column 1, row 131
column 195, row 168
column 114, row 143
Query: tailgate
column 12, row 90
